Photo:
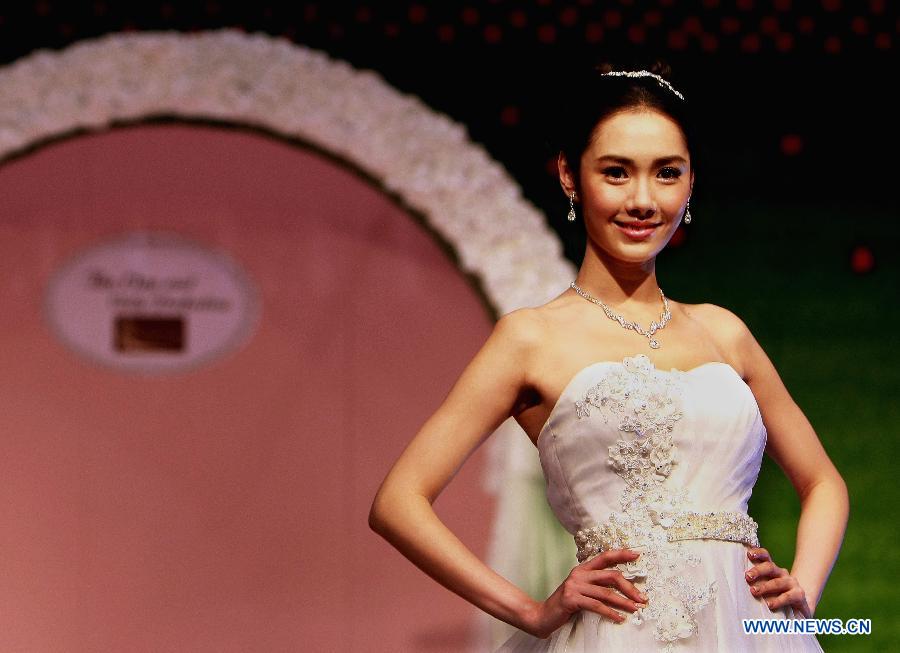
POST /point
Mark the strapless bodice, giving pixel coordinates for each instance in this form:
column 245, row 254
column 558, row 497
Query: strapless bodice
column 620, row 426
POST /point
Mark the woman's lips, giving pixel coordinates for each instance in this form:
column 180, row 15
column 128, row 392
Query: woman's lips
column 635, row 231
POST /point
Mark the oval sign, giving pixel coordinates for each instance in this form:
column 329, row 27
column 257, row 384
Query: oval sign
column 152, row 302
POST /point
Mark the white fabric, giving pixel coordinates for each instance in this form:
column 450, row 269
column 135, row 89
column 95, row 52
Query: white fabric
column 716, row 437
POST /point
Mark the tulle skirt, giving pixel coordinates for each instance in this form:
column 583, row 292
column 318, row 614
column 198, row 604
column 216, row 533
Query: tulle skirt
column 716, row 627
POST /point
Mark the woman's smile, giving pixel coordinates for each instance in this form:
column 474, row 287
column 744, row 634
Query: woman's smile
column 637, row 230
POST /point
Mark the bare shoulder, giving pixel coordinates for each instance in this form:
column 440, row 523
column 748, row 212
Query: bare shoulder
column 721, row 319
column 730, row 333
column 522, row 328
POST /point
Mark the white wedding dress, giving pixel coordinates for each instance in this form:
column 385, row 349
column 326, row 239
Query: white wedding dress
column 662, row 462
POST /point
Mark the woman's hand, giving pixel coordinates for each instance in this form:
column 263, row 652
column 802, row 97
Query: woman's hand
column 589, row 586
column 775, row 584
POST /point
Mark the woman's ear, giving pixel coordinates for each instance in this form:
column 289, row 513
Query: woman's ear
column 566, row 178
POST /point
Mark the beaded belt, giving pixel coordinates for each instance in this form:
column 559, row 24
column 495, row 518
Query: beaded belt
column 621, row 532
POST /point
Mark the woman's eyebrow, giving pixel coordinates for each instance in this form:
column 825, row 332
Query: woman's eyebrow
column 626, row 161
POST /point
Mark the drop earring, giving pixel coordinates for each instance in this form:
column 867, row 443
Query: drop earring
column 687, row 213
column 571, row 215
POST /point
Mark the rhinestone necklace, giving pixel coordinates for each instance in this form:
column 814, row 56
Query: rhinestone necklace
column 634, row 326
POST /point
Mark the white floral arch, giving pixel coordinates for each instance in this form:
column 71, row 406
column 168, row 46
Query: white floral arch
column 419, row 155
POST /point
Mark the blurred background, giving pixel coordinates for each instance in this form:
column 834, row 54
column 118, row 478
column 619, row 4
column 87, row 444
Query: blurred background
column 190, row 456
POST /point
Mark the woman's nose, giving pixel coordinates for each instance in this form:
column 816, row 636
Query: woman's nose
column 641, row 203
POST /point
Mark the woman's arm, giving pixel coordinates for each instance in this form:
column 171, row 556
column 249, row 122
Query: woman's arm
column 488, row 391
column 793, row 444
column 481, row 399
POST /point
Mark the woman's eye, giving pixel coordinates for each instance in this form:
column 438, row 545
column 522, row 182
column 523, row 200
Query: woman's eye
column 671, row 173
column 613, row 172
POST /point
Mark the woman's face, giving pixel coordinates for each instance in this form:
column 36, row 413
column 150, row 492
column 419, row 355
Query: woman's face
column 635, row 171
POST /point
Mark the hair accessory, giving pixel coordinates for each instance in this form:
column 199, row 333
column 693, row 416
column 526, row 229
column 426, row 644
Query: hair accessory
column 571, row 215
column 644, row 73
column 687, row 213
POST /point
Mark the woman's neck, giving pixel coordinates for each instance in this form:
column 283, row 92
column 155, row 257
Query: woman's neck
column 619, row 283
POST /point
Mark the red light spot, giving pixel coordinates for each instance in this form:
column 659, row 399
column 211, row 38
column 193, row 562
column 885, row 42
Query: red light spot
column 518, row 18
column 678, row 238
column 391, row 29
column 750, row 43
column 745, row 5
column 861, row 259
column 653, row 18
column 806, row 24
column 709, row 42
column 782, row 5
column 730, row 25
column 493, row 34
column 470, row 15
column 593, row 33
column 666, row 3
column 568, row 16
column 831, row 5
column 784, row 42
column 876, row 6
column 769, row 25
column 833, row 44
column 446, row 33
column 791, row 144
column 692, row 25
column 417, row 13
column 636, row 34
column 883, row 41
column 612, row 18
column 859, row 25
column 677, row 40
column 363, row 15
column 711, row 4
column 546, row 34
column 552, row 167
column 509, row 116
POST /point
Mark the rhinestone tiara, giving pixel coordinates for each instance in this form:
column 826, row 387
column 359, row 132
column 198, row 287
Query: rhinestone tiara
column 644, row 73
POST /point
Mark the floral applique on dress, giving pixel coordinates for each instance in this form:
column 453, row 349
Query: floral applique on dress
column 646, row 404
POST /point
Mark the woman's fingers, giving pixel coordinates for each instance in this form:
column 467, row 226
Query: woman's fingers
column 794, row 596
column 600, row 608
column 610, row 597
column 774, row 586
column 758, row 554
column 764, row 570
column 614, row 578
column 611, row 558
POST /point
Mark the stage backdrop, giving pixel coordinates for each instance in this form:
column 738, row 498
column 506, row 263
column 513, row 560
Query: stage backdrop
column 223, row 507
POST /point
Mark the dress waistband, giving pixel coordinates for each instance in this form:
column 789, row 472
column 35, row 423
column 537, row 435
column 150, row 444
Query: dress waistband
column 620, row 532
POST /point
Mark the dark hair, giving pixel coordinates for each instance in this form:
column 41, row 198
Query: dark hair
column 591, row 98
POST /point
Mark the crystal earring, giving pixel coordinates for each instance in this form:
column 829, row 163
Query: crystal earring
column 687, row 213
column 571, row 215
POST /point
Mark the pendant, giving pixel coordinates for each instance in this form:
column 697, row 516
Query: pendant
column 654, row 344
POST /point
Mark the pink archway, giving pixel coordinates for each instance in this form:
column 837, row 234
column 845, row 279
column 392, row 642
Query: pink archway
column 224, row 508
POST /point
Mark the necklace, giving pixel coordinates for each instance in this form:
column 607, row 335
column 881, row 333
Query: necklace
column 634, row 326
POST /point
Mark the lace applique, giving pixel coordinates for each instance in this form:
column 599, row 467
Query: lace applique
column 647, row 402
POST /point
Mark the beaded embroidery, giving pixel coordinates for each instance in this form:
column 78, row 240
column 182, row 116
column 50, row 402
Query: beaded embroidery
column 654, row 517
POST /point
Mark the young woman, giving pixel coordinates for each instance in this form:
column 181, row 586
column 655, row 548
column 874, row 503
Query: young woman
column 650, row 438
